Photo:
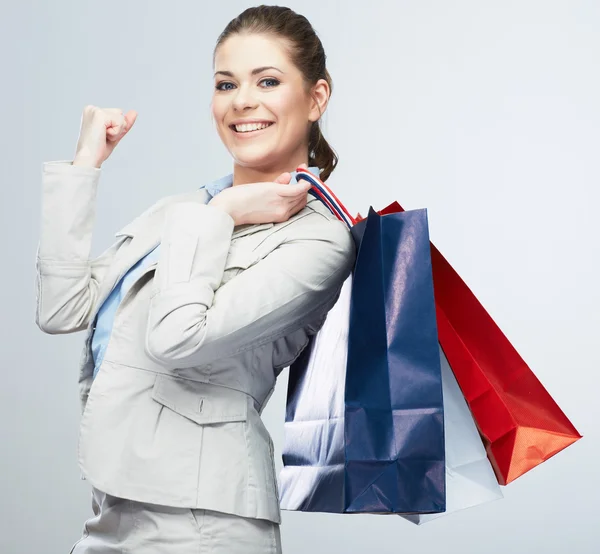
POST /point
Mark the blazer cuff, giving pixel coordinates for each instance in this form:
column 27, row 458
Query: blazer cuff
column 68, row 211
column 67, row 165
column 194, row 246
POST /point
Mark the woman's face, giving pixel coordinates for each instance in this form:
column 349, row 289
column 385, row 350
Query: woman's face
column 256, row 83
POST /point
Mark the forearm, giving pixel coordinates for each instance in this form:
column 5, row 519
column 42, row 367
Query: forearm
column 66, row 279
column 194, row 320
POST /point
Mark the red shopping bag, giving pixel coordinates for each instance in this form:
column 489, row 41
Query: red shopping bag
column 520, row 423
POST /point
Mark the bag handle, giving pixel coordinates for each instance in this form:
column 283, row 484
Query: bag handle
column 321, row 191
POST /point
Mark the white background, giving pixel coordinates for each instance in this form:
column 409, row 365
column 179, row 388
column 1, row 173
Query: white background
column 484, row 112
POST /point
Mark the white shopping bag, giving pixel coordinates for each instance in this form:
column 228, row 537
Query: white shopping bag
column 470, row 479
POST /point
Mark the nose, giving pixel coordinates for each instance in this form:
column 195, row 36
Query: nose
column 243, row 99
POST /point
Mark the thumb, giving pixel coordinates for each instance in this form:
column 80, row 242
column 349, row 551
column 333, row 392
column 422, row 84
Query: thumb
column 284, row 178
column 130, row 118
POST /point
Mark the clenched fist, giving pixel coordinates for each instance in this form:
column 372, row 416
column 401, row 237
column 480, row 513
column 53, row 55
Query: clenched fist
column 101, row 130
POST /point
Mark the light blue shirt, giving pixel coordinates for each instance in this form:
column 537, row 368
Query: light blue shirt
column 106, row 314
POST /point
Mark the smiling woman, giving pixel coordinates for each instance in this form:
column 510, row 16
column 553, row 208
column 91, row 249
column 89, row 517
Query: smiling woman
column 271, row 89
column 202, row 301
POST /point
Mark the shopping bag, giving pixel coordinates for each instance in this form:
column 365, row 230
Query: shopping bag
column 470, row 478
column 312, row 477
column 379, row 448
column 520, row 423
column 394, row 428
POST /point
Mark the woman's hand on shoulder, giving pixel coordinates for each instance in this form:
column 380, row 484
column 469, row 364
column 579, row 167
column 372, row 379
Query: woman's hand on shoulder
column 101, row 130
column 265, row 202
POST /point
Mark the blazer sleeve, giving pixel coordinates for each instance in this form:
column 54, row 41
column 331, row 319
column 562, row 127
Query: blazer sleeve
column 66, row 279
column 193, row 321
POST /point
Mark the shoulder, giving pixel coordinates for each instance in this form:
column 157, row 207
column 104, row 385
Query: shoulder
column 321, row 217
column 316, row 222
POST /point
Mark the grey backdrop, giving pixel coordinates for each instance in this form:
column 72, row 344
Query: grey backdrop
column 484, row 112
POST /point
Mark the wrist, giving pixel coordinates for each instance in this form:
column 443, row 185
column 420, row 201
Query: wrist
column 85, row 162
column 220, row 204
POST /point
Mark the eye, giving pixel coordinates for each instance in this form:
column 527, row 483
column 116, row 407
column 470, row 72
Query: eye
column 220, row 85
column 271, row 80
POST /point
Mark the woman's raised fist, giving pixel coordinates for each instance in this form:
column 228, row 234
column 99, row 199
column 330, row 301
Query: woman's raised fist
column 101, row 130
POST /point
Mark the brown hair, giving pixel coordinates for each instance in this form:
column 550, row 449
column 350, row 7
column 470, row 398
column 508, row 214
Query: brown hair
column 306, row 53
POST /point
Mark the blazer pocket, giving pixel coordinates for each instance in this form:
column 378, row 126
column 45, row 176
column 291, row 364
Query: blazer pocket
column 203, row 403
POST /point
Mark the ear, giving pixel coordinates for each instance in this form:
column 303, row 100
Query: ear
column 319, row 100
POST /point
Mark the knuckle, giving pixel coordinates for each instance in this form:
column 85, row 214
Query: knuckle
column 90, row 111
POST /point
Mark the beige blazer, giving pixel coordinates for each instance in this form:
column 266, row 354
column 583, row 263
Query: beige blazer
column 173, row 416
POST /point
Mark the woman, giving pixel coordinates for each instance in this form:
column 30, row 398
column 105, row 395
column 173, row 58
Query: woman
column 198, row 305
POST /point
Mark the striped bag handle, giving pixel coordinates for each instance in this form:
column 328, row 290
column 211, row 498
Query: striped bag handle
column 321, row 191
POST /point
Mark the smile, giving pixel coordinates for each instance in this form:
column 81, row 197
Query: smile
column 250, row 129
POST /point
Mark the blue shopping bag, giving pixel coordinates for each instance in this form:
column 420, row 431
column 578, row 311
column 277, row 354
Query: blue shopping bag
column 364, row 427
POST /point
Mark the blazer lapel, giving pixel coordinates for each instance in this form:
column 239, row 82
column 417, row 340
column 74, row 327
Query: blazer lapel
column 143, row 234
column 141, row 241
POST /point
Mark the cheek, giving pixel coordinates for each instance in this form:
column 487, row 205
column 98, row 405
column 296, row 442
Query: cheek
column 218, row 110
column 286, row 104
column 291, row 112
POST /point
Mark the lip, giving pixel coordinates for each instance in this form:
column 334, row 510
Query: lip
column 246, row 121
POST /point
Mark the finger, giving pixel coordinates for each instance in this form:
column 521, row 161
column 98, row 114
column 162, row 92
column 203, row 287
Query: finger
column 284, row 178
column 120, row 125
column 113, row 133
column 305, row 185
column 114, row 123
column 299, row 189
column 297, row 206
column 130, row 118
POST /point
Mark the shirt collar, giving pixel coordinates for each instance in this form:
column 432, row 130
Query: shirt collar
column 215, row 187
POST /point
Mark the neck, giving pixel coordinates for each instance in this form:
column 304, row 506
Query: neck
column 243, row 175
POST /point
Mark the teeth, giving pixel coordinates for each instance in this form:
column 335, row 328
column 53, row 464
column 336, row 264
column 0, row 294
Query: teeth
column 251, row 127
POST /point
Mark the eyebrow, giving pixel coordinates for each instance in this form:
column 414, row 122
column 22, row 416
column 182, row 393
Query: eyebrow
column 254, row 71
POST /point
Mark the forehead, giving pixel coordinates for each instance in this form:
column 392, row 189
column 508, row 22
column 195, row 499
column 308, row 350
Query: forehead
column 241, row 53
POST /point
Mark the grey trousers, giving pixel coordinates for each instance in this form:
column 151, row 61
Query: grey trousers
column 121, row 526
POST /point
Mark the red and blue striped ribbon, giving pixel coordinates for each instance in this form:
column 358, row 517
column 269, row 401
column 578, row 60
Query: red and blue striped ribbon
column 321, row 191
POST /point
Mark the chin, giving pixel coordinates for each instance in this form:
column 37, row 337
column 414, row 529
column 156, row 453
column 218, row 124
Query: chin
column 255, row 161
